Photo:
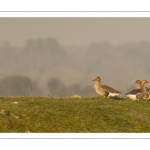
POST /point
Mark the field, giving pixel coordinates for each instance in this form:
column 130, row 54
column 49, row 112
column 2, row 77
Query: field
column 66, row 115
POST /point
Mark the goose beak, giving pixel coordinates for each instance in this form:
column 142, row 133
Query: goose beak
column 146, row 81
column 94, row 79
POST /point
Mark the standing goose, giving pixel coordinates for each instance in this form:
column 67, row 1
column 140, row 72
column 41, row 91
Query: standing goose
column 104, row 90
column 147, row 95
column 138, row 93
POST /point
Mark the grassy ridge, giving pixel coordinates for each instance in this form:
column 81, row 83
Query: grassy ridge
column 86, row 115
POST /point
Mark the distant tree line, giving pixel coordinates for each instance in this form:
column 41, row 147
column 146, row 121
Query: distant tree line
column 18, row 85
column 57, row 88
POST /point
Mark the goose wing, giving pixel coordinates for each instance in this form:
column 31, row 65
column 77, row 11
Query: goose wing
column 109, row 89
column 134, row 92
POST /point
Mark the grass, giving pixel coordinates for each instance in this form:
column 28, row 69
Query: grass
column 66, row 115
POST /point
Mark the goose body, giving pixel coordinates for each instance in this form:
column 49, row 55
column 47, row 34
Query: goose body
column 104, row 90
column 138, row 93
column 135, row 94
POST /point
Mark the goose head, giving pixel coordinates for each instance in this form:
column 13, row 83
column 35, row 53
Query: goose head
column 138, row 82
column 144, row 81
column 97, row 78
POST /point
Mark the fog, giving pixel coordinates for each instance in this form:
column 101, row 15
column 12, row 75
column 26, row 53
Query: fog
column 61, row 56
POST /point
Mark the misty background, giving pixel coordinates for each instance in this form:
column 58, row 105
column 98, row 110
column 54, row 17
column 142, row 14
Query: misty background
column 61, row 56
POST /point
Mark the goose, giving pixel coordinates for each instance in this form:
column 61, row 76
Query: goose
column 138, row 93
column 104, row 90
column 147, row 95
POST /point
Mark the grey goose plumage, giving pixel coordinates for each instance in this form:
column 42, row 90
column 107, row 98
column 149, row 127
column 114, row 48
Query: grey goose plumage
column 138, row 93
column 104, row 90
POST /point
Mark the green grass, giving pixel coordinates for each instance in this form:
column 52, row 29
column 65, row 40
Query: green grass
column 66, row 115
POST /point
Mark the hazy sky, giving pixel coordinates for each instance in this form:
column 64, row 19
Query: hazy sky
column 82, row 31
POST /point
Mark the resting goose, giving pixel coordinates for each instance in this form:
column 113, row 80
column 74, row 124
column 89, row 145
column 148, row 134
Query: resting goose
column 104, row 90
column 138, row 93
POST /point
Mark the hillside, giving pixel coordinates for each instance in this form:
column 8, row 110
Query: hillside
column 65, row 115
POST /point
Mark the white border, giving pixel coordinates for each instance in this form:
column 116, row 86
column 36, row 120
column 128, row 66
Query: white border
column 75, row 136
column 75, row 14
column 74, row 5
